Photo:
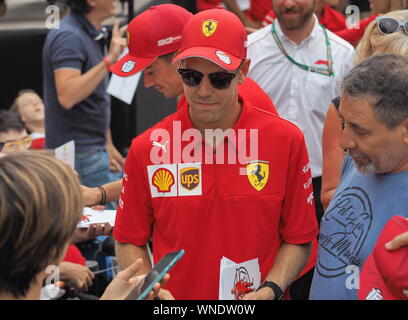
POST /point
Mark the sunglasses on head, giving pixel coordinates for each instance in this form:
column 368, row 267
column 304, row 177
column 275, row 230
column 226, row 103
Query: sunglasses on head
column 388, row 25
column 219, row 80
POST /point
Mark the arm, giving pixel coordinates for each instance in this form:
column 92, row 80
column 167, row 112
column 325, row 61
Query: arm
column 93, row 196
column 73, row 87
column 116, row 161
column 290, row 261
column 128, row 253
column 333, row 155
column 232, row 5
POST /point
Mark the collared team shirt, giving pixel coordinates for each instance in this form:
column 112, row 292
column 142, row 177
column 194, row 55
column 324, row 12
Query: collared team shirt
column 240, row 211
column 300, row 96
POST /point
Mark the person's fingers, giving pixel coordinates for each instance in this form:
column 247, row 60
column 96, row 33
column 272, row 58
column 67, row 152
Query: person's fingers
column 397, row 242
column 123, row 29
column 164, row 280
column 116, row 165
column 130, row 271
column 98, row 229
column 98, row 207
column 108, row 229
column 115, row 27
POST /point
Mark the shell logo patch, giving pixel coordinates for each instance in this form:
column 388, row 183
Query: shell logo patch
column 190, row 178
column 223, row 57
column 163, row 180
column 258, row 173
column 208, row 27
column 128, row 66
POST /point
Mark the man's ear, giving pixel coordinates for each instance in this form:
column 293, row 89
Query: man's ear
column 244, row 71
column 404, row 126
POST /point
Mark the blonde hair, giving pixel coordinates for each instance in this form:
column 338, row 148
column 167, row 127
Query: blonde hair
column 374, row 42
column 40, row 206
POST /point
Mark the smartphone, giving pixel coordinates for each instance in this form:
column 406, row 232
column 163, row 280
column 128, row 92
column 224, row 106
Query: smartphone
column 156, row 274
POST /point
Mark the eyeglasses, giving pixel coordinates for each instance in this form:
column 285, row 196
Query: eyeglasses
column 11, row 146
column 388, row 25
column 219, row 80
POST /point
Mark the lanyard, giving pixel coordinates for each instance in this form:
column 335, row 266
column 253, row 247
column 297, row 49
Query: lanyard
column 326, row 72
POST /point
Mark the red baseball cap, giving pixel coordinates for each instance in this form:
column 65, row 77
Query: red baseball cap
column 217, row 35
column 153, row 33
column 384, row 275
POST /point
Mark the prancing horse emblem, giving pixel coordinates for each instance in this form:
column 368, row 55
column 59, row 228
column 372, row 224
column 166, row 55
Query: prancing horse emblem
column 258, row 173
column 208, row 27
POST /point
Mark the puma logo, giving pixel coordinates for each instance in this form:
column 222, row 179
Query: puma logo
column 158, row 144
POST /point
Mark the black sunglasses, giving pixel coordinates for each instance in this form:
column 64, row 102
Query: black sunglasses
column 219, row 80
column 388, row 25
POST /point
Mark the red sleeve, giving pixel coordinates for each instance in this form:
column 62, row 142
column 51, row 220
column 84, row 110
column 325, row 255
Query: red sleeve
column 252, row 92
column 73, row 255
column 332, row 19
column 298, row 221
column 134, row 216
column 354, row 35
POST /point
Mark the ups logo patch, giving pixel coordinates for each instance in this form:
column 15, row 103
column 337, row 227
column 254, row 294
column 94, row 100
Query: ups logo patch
column 189, row 178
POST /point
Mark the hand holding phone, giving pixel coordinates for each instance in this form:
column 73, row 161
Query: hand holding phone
column 155, row 275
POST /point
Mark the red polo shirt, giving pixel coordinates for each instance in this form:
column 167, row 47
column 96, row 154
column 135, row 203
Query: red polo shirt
column 238, row 211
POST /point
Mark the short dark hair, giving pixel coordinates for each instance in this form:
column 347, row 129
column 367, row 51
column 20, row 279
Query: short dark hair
column 10, row 120
column 168, row 56
column 79, row 6
column 383, row 80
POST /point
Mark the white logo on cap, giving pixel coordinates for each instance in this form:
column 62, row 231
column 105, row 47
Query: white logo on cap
column 168, row 40
column 128, row 66
column 223, row 57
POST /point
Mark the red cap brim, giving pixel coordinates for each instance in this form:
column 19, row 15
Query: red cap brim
column 223, row 59
column 128, row 65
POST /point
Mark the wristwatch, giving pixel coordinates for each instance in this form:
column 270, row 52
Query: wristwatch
column 275, row 288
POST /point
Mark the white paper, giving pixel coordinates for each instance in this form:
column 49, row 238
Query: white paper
column 124, row 88
column 243, row 4
column 90, row 216
column 232, row 275
column 66, row 153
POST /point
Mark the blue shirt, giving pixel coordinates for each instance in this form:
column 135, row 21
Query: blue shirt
column 77, row 45
column 350, row 227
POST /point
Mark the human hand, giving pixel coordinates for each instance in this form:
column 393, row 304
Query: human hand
column 262, row 294
column 91, row 196
column 165, row 295
column 125, row 281
column 94, row 230
column 116, row 161
column 118, row 43
column 397, row 242
column 76, row 275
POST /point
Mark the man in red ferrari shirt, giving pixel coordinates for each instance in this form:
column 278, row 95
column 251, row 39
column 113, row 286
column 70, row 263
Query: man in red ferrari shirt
column 154, row 36
column 179, row 188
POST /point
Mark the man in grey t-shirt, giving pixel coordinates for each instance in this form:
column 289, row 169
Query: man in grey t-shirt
column 75, row 72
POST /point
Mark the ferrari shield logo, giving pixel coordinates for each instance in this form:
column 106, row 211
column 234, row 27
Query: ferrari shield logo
column 258, row 174
column 209, row 26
